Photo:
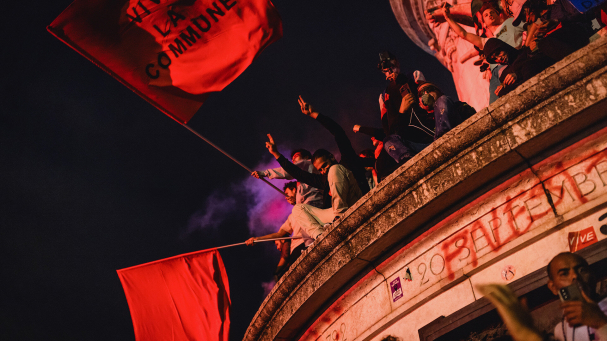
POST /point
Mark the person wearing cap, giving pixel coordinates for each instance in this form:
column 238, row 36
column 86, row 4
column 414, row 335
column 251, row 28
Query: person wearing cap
column 558, row 28
column 408, row 128
column 495, row 27
column 305, row 194
column 447, row 112
column 522, row 64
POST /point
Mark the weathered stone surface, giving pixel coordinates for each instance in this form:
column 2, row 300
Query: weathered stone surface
column 498, row 142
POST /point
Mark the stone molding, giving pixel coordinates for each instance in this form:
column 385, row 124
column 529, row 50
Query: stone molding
column 564, row 101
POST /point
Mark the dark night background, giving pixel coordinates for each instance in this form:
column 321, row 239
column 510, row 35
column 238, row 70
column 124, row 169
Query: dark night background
column 95, row 179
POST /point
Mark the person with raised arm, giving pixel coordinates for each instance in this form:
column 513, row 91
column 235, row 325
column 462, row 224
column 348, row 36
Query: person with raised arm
column 495, row 27
column 305, row 194
column 334, row 180
column 290, row 250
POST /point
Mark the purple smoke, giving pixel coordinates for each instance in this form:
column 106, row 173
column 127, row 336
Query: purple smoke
column 266, row 209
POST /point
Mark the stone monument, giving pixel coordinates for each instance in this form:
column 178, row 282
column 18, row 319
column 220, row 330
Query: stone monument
column 491, row 201
column 439, row 40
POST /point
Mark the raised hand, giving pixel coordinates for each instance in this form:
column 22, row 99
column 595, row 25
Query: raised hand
column 515, row 316
column 271, row 145
column 446, row 11
column 306, row 108
column 250, row 241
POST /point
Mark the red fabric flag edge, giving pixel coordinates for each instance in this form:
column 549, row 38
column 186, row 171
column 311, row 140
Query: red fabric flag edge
column 224, row 284
column 93, row 60
column 271, row 14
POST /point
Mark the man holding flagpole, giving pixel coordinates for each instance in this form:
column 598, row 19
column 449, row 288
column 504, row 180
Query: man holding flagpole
column 301, row 240
column 334, row 179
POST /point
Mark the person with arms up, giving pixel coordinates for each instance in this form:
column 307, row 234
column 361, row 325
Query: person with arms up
column 334, row 179
column 305, row 193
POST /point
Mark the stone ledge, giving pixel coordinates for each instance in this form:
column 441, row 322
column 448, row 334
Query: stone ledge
column 559, row 103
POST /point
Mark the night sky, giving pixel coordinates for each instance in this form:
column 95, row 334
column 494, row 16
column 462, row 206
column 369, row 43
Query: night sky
column 95, row 179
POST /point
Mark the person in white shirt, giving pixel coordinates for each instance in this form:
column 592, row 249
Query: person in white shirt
column 584, row 319
column 290, row 249
column 306, row 194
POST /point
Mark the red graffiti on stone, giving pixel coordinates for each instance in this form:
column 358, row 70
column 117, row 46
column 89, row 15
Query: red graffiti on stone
column 563, row 187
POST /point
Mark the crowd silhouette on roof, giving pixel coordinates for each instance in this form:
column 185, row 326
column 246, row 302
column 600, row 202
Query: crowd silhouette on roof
column 515, row 40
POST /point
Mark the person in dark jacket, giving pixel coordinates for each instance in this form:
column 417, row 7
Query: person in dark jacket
column 349, row 158
column 558, row 27
column 522, row 64
column 408, row 127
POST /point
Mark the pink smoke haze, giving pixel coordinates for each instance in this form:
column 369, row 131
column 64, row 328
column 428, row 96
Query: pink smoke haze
column 266, row 209
column 215, row 211
column 267, row 287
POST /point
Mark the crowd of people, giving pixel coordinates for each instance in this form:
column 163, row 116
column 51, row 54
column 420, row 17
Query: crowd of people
column 516, row 39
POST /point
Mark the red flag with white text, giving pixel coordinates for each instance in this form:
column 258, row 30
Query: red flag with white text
column 173, row 53
column 185, row 297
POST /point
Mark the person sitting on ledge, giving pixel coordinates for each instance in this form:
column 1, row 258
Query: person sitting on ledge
column 494, row 27
column 522, row 64
column 559, row 28
column 290, row 250
column 334, row 179
column 305, row 193
column 447, row 112
column 352, row 161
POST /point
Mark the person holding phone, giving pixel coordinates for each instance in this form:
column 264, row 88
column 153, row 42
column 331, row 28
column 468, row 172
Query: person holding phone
column 408, row 128
column 584, row 313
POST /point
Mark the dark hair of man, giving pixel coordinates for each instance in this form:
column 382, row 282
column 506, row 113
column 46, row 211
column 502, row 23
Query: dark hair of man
column 321, row 153
column 305, row 154
column 290, row 185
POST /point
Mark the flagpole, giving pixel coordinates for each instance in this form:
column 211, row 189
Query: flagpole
column 257, row 241
column 231, row 158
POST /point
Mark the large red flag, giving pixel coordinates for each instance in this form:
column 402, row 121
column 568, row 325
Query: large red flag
column 173, row 53
column 185, row 297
